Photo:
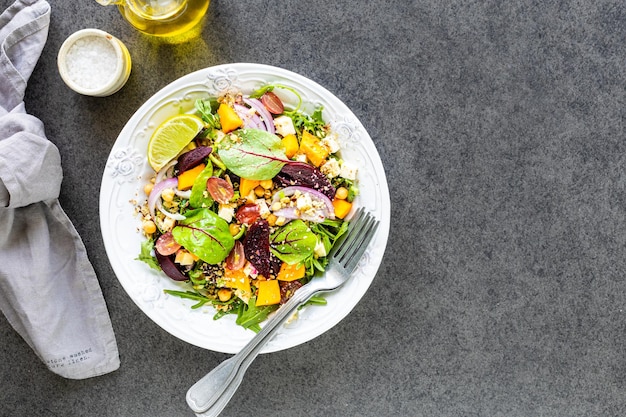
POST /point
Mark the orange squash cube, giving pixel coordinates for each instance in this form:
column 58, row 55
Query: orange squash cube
column 246, row 185
column 342, row 207
column 187, row 178
column 237, row 280
column 229, row 119
column 269, row 293
column 291, row 145
column 291, row 272
column 312, row 147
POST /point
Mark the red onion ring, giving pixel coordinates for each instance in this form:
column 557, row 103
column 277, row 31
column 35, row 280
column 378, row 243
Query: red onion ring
column 328, row 212
column 265, row 115
column 163, row 172
column 154, row 199
column 250, row 120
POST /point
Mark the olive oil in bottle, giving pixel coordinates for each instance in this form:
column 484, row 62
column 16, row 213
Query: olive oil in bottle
column 162, row 17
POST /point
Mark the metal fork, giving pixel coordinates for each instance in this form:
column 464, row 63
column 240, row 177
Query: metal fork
column 211, row 393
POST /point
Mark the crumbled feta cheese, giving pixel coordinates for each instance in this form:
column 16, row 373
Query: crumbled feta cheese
column 348, row 171
column 281, row 221
column 166, row 223
column 304, row 202
column 319, row 250
column 300, row 157
column 226, row 212
column 250, row 270
column 284, row 126
column 264, row 211
column 331, row 168
column 331, row 142
column 244, row 295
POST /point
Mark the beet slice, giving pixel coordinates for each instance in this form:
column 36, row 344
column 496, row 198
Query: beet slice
column 169, row 267
column 193, row 158
column 305, row 175
column 287, row 288
column 256, row 246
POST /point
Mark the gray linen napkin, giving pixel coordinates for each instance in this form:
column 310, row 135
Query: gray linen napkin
column 48, row 289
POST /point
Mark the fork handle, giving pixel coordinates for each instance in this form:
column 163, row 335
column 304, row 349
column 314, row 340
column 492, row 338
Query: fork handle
column 212, row 392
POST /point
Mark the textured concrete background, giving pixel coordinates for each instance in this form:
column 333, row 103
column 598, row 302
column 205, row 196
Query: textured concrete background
column 501, row 127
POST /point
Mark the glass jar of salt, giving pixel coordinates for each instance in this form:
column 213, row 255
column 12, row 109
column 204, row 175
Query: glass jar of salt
column 94, row 63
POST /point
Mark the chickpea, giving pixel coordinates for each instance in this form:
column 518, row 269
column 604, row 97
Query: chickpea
column 224, row 294
column 167, row 194
column 148, row 188
column 259, row 191
column 271, row 219
column 149, row 227
column 234, row 228
column 341, row 193
column 267, row 184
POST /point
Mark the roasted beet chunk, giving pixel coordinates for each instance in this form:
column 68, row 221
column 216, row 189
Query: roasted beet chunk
column 305, row 175
column 193, row 158
column 287, row 288
column 169, row 267
column 256, row 246
column 275, row 264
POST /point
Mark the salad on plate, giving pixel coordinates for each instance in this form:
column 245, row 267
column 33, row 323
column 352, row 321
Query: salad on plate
column 246, row 201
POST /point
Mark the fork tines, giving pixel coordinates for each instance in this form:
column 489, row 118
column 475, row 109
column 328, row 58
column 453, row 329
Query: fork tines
column 361, row 230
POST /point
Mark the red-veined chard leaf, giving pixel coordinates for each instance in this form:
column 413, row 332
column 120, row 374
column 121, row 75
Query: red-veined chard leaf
column 252, row 153
column 204, row 234
column 293, row 242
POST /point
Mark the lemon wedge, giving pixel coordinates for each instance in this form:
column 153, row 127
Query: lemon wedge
column 171, row 137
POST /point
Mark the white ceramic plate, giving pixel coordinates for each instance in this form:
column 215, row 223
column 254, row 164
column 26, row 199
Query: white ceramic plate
column 127, row 171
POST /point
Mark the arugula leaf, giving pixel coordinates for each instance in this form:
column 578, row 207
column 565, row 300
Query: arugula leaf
column 249, row 316
column 204, row 234
column 146, row 254
column 201, row 299
column 293, row 242
column 259, row 93
column 253, row 154
column 206, row 113
column 313, row 124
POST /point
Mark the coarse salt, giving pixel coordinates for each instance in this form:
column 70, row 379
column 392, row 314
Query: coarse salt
column 91, row 62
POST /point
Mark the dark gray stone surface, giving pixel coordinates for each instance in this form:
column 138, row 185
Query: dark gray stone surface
column 501, row 128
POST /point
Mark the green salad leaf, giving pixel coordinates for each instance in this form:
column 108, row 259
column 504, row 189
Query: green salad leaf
column 293, row 242
column 204, row 108
column 145, row 255
column 204, row 234
column 249, row 316
column 252, row 153
column 199, row 196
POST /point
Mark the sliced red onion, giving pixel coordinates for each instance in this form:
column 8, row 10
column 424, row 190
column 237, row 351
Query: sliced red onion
column 250, row 118
column 163, row 173
column 327, row 212
column 174, row 216
column 183, row 194
column 290, row 213
column 154, row 200
column 265, row 115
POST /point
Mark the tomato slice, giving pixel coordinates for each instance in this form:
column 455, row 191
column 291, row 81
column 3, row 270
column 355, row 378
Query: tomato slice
column 272, row 103
column 220, row 189
column 166, row 245
column 248, row 213
column 236, row 258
